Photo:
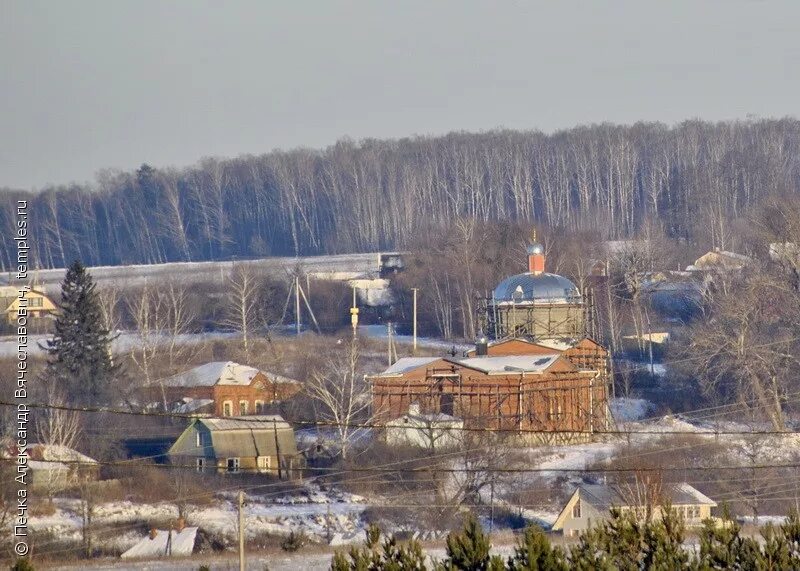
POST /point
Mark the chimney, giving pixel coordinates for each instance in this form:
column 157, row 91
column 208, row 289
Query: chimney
column 481, row 346
column 180, row 525
column 536, row 259
column 153, row 533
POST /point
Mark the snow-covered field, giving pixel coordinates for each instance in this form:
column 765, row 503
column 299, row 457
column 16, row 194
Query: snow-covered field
column 316, row 513
column 363, row 264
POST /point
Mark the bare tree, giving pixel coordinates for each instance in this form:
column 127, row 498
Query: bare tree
column 242, row 309
column 146, row 309
column 342, row 394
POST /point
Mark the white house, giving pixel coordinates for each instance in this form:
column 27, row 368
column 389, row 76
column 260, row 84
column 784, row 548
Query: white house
column 433, row 431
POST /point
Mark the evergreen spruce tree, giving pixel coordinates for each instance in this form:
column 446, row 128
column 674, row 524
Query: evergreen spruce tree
column 535, row 553
column 80, row 356
column 469, row 550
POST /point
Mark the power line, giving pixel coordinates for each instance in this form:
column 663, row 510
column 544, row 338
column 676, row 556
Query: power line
column 370, row 425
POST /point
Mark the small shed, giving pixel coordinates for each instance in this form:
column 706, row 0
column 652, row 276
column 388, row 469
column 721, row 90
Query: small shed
column 54, row 468
column 164, row 543
column 590, row 504
column 262, row 444
column 431, row 431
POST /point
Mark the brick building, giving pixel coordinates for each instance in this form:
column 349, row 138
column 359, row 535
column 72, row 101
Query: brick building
column 222, row 388
column 543, row 392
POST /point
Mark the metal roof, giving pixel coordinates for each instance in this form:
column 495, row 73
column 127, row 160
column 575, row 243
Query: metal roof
column 542, row 288
column 220, row 373
column 172, row 542
column 605, row 497
column 407, row 364
column 253, row 421
column 510, row 363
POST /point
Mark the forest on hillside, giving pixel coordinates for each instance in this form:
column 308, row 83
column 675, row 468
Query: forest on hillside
column 695, row 179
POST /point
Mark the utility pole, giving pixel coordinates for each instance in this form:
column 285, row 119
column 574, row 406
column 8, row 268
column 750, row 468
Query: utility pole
column 389, row 338
column 414, row 350
column 241, row 530
column 297, row 304
column 354, row 315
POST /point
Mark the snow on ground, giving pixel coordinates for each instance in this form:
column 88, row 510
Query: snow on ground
column 315, row 512
column 629, row 409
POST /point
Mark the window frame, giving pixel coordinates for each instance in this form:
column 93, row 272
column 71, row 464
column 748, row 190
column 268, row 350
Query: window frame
column 233, row 465
column 227, row 408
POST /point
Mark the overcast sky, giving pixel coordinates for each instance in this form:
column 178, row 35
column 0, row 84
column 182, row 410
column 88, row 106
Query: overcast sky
column 92, row 85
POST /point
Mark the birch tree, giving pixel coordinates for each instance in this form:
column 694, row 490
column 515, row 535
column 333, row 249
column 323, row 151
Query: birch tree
column 342, row 395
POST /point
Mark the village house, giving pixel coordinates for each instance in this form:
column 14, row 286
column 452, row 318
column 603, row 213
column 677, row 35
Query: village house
column 590, row 504
column 432, row 431
column 221, row 389
column 55, row 468
column 39, row 305
column 720, row 260
column 262, row 444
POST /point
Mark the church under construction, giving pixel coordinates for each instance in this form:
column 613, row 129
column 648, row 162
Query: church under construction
column 536, row 373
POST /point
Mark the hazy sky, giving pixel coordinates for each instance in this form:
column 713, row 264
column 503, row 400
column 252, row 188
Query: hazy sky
column 92, row 85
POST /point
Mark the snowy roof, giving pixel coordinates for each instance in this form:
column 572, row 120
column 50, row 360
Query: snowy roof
column 534, row 288
column 190, row 405
column 557, row 344
column 220, row 373
column 54, row 453
column 174, row 543
column 255, row 421
column 504, row 364
column 407, row 364
column 605, row 497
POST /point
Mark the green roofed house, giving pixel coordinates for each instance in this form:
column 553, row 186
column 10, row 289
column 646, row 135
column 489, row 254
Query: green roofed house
column 262, row 444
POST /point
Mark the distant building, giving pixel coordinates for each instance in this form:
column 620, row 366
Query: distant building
column 540, row 392
column 221, row 388
column 535, row 304
column 39, row 305
column 434, row 431
column 590, row 504
column 55, row 468
column 178, row 542
column 720, row 260
column 263, row 444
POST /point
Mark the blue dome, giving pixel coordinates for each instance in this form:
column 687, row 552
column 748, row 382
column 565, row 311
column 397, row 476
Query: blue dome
column 530, row 287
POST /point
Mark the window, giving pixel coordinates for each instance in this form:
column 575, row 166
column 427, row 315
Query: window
column 554, row 409
column 233, row 465
column 264, row 463
column 446, row 403
column 242, row 407
column 202, row 440
column 201, row 464
column 259, row 406
column 576, row 509
column 36, row 302
column 227, row 408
